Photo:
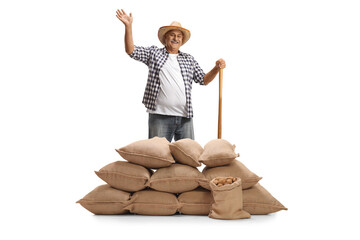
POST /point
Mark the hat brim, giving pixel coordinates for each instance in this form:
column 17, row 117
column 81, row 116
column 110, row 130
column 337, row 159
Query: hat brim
column 163, row 30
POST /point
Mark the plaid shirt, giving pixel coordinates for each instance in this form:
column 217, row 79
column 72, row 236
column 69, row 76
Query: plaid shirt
column 155, row 58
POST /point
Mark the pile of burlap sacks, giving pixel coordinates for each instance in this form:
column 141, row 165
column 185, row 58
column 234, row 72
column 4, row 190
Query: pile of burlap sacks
column 161, row 178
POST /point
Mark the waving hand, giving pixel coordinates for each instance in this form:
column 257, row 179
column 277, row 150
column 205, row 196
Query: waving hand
column 122, row 16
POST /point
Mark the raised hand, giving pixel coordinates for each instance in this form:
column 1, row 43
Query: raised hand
column 122, row 16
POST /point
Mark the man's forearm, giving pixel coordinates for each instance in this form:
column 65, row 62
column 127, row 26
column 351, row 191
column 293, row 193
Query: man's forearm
column 211, row 75
column 129, row 43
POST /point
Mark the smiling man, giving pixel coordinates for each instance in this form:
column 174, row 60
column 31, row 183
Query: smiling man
column 167, row 94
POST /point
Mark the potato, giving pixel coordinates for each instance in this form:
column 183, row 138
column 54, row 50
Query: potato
column 229, row 181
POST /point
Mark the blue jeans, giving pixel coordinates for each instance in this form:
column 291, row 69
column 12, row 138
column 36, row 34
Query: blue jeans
column 170, row 127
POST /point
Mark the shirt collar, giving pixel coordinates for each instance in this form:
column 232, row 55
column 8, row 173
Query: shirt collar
column 165, row 51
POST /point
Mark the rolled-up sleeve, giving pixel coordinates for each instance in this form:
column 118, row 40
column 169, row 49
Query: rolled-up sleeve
column 141, row 54
column 198, row 73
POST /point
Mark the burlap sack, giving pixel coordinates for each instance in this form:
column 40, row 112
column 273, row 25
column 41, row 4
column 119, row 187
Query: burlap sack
column 150, row 202
column 228, row 201
column 106, row 200
column 177, row 178
column 235, row 169
column 125, row 176
column 196, row 202
column 257, row 200
column 150, row 153
column 186, row 151
column 218, row 152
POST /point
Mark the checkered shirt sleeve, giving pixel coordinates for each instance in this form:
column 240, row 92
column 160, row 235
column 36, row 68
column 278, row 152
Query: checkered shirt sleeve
column 142, row 54
column 198, row 73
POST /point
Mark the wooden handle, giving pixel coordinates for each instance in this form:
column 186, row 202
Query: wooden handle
column 220, row 102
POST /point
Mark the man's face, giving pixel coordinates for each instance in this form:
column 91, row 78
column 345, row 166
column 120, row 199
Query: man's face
column 173, row 39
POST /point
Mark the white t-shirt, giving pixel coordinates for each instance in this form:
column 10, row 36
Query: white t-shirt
column 172, row 98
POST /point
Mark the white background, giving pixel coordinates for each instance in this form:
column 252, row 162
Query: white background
column 69, row 96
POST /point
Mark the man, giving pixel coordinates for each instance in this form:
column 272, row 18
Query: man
column 167, row 94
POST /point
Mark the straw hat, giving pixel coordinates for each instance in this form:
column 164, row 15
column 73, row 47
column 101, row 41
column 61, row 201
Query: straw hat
column 173, row 26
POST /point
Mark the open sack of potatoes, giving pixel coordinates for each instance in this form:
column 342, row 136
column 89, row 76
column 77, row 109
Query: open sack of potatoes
column 227, row 199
